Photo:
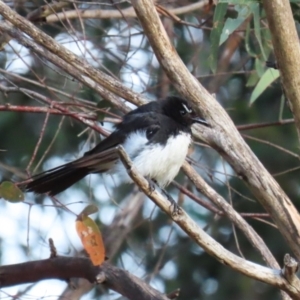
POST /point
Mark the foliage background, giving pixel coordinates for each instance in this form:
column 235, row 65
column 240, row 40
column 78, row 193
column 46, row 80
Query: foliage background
column 153, row 247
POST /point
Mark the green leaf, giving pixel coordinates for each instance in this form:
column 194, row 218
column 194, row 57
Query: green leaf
column 232, row 24
column 260, row 67
column 265, row 81
column 103, row 104
column 10, row 192
column 248, row 40
column 229, row 27
column 257, row 30
column 252, row 80
column 215, row 34
column 88, row 210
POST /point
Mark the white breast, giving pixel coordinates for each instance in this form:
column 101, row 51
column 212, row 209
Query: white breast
column 159, row 162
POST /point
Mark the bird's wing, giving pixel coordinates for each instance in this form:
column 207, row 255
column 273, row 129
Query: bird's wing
column 130, row 124
column 102, row 157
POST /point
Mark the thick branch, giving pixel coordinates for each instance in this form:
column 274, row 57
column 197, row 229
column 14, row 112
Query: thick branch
column 62, row 268
column 287, row 51
column 65, row 268
column 224, row 137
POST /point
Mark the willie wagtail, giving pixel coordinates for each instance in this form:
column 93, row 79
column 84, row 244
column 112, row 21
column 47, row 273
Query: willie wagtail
column 156, row 136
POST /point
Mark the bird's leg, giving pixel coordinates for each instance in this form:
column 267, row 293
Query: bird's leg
column 174, row 205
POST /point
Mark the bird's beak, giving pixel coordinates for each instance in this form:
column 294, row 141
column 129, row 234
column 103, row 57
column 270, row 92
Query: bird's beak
column 200, row 121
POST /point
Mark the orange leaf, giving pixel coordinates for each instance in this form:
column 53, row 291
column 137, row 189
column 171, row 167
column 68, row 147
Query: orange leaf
column 91, row 239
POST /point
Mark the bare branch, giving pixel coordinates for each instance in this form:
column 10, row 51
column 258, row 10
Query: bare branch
column 38, row 109
column 287, row 51
column 117, row 14
column 213, row 208
column 65, row 268
column 262, row 125
column 289, row 271
column 53, row 105
column 59, row 267
column 235, row 217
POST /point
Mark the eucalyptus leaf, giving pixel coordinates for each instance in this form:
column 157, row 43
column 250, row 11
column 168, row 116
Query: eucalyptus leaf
column 215, row 34
column 265, row 81
column 232, row 24
column 255, row 8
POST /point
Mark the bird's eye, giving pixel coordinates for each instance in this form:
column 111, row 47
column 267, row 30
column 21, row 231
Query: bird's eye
column 183, row 112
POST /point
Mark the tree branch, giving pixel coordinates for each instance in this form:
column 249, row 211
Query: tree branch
column 287, row 51
column 65, row 268
column 257, row 242
column 117, row 14
column 38, row 109
column 289, row 270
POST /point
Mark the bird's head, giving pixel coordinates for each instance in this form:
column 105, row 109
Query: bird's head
column 179, row 110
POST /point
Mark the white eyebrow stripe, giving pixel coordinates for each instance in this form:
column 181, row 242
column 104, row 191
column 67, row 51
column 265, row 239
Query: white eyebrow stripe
column 186, row 108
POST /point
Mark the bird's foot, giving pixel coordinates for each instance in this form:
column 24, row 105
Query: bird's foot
column 152, row 184
column 175, row 208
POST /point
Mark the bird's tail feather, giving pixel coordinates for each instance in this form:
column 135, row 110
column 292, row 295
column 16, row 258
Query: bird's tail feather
column 60, row 178
column 56, row 180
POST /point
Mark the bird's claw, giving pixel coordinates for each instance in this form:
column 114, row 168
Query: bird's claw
column 175, row 208
column 151, row 184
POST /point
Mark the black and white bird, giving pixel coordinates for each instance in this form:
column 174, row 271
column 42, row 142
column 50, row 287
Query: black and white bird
column 156, row 136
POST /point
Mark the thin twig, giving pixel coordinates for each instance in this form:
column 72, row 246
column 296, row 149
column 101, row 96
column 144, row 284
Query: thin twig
column 37, row 146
